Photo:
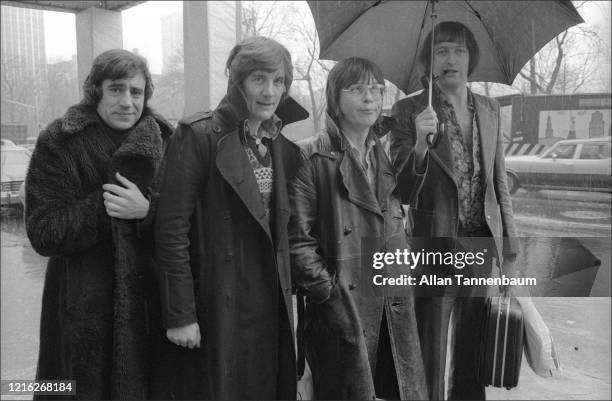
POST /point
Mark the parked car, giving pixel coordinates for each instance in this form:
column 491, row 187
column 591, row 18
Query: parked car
column 6, row 142
column 572, row 164
column 15, row 161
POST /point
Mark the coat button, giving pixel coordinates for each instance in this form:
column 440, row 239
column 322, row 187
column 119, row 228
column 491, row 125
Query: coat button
column 489, row 216
column 352, row 286
column 217, row 129
column 228, row 258
column 347, row 230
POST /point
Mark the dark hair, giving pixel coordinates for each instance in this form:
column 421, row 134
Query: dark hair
column 115, row 64
column 451, row 31
column 258, row 53
column 347, row 72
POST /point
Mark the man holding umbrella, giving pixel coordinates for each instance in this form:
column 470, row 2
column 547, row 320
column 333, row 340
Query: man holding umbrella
column 464, row 195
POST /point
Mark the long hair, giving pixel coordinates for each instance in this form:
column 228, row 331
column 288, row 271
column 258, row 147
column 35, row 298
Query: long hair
column 344, row 74
column 253, row 54
column 455, row 32
column 115, row 64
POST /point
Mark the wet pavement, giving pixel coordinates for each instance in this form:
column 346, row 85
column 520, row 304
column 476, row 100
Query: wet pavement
column 580, row 326
column 21, row 279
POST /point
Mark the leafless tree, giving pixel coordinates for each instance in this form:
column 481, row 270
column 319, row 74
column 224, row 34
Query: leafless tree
column 168, row 97
column 310, row 68
column 259, row 19
column 287, row 23
column 565, row 64
column 19, row 88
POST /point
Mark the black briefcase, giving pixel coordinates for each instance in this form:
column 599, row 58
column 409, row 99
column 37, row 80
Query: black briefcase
column 501, row 346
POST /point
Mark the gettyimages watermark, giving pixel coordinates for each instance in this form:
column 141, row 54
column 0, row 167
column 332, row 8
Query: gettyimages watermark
column 470, row 267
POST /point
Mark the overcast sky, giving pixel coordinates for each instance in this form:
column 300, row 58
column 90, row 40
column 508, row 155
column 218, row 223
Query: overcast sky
column 142, row 29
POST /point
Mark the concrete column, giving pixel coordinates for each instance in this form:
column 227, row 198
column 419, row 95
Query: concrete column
column 195, row 53
column 97, row 30
column 209, row 30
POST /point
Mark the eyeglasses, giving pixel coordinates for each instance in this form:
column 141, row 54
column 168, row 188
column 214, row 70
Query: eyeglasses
column 376, row 90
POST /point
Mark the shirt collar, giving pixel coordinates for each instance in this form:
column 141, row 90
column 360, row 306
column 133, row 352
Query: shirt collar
column 470, row 99
column 269, row 128
column 370, row 142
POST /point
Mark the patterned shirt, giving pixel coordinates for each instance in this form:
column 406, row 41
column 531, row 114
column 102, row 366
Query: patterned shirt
column 466, row 166
column 260, row 157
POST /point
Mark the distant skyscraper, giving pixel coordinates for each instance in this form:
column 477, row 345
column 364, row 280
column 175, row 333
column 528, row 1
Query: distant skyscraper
column 172, row 40
column 23, row 40
column 24, row 67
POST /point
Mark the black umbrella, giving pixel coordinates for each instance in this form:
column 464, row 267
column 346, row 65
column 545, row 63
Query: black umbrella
column 391, row 33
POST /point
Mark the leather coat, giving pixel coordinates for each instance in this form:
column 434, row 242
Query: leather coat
column 337, row 222
column 223, row 263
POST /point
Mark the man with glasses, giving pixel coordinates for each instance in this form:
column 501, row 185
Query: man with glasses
column 345, row 206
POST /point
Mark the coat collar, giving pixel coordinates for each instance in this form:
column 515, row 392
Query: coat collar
column 487, row 119
column 231, row 112
column 354, row 179
column 81, row 116
column 232, row 161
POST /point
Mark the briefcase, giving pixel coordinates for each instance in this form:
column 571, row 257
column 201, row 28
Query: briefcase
column 501, row 346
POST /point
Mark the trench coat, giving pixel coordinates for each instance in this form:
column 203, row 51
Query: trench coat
column 223, row 264
column 337, row 221
column 99, row 324
column 435, row 213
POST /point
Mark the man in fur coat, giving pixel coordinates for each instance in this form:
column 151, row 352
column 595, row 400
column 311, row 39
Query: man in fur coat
column 90, row 195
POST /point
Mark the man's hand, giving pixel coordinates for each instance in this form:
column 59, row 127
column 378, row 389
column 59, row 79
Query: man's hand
column 185, row 336
column 425, row 123
column 125, row 202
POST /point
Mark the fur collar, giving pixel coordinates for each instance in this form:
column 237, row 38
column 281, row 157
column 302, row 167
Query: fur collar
column 81, row 116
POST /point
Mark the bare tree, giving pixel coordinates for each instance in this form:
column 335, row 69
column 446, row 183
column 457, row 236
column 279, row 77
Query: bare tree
column 63, row 89
column 565, row 64
column 168, row 97
column 259, row 19
column 19, row 88
column 289, row 24
column 311, row 70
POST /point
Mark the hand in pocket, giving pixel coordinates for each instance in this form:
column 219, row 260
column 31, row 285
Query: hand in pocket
column 339, row 313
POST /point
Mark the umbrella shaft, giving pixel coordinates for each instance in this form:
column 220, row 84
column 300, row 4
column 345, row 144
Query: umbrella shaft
column 431, row 53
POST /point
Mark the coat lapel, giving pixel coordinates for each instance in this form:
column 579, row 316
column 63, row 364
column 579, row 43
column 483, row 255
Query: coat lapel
column 281, row 198
column 234, row 166
column 385, row 176
column 357, row 185
column 486, row 118
column 352, row 175
column 143, row 143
